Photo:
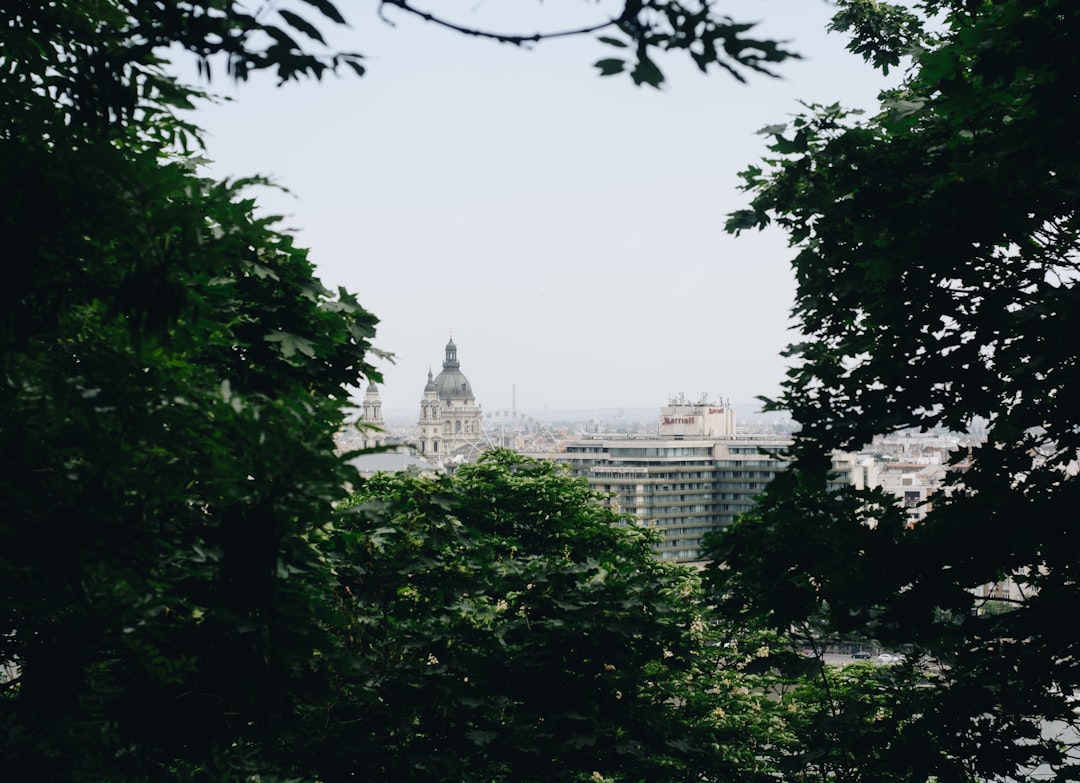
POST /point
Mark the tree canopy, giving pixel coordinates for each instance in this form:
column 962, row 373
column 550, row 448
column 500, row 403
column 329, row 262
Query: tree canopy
column 937, row 276
column 503, row 612
column 173, row 373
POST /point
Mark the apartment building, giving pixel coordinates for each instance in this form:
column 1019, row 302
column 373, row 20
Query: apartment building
column 695, row 475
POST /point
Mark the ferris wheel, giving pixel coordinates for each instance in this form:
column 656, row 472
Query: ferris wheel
column 518, row 432
column 505, row 429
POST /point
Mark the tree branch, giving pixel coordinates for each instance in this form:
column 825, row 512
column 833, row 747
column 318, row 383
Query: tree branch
column 510, row 38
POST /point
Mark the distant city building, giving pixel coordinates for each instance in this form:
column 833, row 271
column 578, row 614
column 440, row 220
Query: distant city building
column 914, row 484
column 913, row 467
column 694, row 476
column 398, row 459
column 450, row 425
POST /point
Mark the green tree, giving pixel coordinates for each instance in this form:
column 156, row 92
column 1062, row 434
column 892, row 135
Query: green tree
column 173, row 377
column 853, row 722
column 937, row 280
column 173, row 374
column 504, row 613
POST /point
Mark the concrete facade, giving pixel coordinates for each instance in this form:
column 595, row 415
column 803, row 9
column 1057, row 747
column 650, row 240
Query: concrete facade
column 693, row 477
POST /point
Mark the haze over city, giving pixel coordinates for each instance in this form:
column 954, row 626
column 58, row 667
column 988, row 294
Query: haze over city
column 566, row 229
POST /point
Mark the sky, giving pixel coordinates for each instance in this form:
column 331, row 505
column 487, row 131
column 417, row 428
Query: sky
column 565, row 228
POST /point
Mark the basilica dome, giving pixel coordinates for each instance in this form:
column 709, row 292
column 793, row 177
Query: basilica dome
column 451, row 383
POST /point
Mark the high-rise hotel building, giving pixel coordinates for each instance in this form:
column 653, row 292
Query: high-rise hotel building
column 694, row 476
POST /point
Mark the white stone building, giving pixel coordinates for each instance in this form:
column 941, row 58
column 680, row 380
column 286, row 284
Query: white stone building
column 450, row 425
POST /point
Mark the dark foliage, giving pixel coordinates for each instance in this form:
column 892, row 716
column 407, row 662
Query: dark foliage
column 937, row 286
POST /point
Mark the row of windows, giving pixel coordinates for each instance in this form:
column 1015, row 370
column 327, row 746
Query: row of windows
column 744, row 474
column 702, row 463
column 715, row 522
column 745, row 463
column 710, row 503
column 674, row 475
column 715, row 509
column 753, row 449
column 695, row 488
column 728, row 488
column 681, row 555
column 696, row 530
column 751, row 487
column 662, row 497
column 694, row 542
column 699, row 508
column 661, row 451
column 470, row 426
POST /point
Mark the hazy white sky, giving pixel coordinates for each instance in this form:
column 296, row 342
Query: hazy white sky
column 566, row 228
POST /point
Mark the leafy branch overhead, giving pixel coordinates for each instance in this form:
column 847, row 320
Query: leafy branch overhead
column 646, row 28
column 108, row 64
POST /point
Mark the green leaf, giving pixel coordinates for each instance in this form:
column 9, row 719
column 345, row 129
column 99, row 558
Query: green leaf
column 480, row 737
column 301, row 24
column 291, row 343
column 647, row 72
column 610, row 66
column 327, row 9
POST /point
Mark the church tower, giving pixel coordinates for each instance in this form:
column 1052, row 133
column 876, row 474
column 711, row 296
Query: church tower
column 373, row 428
column 430, row 423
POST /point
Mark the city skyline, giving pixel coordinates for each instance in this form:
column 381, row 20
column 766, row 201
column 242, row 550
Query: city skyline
column 565, row 228
column 507, row 399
